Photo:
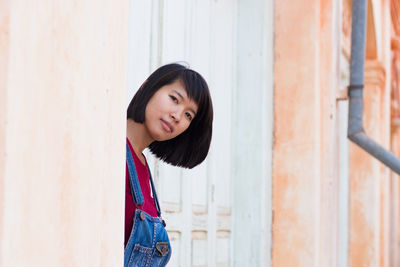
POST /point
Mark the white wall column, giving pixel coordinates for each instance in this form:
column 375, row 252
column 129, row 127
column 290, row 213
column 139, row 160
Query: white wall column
column 62, row 128
column 252, row 134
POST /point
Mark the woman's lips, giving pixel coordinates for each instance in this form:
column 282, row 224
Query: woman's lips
column 166, row 126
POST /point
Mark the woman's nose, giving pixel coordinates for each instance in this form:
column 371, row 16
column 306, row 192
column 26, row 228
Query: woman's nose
column 176, row 116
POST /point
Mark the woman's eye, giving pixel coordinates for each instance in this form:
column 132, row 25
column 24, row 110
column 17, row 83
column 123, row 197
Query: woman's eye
column 174, row 99
column 188, row 115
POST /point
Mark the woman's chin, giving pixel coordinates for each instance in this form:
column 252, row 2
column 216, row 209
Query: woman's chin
column 160, row 137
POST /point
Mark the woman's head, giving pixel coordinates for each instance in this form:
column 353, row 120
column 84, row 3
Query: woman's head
column 174, row 104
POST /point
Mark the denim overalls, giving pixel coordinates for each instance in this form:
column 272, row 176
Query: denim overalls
column 148, row 243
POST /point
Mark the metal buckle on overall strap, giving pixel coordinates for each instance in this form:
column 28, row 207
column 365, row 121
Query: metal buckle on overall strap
column 162, row 248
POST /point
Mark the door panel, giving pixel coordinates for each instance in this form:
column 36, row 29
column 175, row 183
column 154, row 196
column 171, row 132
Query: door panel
column 196, row 203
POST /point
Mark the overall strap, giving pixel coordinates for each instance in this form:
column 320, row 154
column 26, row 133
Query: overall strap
column 155, row 195
column 133, row 178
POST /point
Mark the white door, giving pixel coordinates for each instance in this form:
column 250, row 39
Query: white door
column 197, row 203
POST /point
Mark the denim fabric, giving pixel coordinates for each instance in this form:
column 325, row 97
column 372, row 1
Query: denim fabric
column 133, row 179
column 148, row 243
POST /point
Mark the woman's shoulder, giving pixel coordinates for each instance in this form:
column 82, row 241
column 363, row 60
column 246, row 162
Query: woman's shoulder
column 137, row 158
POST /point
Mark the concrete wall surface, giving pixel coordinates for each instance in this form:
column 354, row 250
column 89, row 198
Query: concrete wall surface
column 304, row 188
column 333, row 203
column 282, row 186
column 62, row 130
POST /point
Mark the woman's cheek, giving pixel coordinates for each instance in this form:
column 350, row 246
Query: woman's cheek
column 185, row 127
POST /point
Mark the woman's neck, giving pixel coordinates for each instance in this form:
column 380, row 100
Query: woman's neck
column 138, row 136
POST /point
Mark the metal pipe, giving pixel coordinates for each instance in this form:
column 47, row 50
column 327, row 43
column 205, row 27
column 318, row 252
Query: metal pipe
column 355, row 130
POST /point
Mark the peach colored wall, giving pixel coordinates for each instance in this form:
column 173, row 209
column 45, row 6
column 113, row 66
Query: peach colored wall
column 305, row 154
column 365, row 185
column 370, row 198
column 304, row 168
column 62, row 102
column 329, row 86
column 395, row 131
column 395, row 134
column 4, row 47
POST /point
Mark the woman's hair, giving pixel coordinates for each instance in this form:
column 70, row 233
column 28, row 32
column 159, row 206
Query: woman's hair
column 191, row 147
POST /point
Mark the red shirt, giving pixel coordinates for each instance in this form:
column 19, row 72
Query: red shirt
column 144, row 181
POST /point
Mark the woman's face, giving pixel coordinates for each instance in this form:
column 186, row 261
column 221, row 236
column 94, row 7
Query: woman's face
column 169, row 112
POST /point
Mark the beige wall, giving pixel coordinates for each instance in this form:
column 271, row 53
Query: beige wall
column 369, row 180
column 4, row 45
column 304, row 181
column 366, row 180
column 309, row 48
column 62, row 128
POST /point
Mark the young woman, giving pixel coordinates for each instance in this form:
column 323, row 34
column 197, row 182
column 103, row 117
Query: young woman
column 172, row 115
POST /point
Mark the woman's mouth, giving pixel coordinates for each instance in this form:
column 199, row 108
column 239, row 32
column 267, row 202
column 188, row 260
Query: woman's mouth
column 167, row 127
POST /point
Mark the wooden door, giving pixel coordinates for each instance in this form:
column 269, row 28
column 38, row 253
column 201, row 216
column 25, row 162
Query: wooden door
column 197, row 203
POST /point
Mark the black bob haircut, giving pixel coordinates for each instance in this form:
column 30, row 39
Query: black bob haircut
column 191, row 147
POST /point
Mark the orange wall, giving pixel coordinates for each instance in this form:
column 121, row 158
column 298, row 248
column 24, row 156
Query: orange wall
column 304, row 197
column 307, row 50
column 62, row 129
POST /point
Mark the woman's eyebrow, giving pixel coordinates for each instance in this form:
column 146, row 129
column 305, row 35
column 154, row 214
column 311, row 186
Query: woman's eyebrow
column 179, row 94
